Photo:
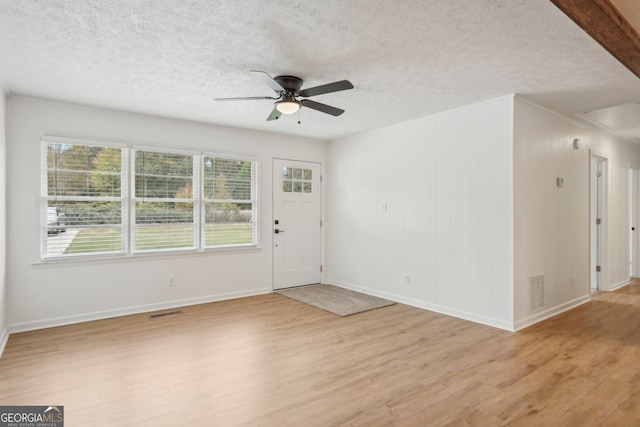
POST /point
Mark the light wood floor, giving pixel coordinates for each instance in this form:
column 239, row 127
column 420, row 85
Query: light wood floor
column 272, row 361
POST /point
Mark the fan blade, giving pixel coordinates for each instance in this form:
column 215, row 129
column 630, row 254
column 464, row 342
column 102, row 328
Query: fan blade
column 275, row 115
column 268, row 80
column 321, row 107
column 328, row 88
column 246, row 98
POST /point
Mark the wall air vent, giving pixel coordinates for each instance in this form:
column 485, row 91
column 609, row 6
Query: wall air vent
column 170, row 313
column 536, row 292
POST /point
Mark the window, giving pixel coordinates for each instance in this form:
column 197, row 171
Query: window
column 164, row 203
column 296, row 180
column 229, row 201
column 83, row 207
column 95, row 204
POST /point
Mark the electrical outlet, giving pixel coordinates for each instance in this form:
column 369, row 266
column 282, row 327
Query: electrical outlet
column 172, row 280
column 406, row 278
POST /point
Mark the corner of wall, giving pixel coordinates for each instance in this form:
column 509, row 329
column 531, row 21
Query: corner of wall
column 4, row 338
column 4, row 334
column 422, row 212
column 551, row 217
column 549, row 313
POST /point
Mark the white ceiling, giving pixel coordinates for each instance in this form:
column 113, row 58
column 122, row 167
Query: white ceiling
column 406, row 58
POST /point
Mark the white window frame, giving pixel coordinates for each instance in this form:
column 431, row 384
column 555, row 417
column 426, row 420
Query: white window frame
column 197, row 177
column 255, row 212
column 128, row 200
column 45, row 197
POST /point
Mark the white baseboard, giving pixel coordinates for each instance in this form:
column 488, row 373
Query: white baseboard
column 99, row 315
column 553, row 311
column 618, row 285
column 460, row 314
column 4, row 337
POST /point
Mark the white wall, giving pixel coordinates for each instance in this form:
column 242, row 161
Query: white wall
column 4, row 334
column 472, row 210
column 446, row 181
column 44, row 294
column 551, row 224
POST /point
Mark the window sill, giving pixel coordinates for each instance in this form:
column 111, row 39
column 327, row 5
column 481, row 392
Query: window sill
column 151, row 256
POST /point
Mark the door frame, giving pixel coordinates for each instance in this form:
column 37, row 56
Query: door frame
column 272, row 226
column 598, row 207
column 634, row 215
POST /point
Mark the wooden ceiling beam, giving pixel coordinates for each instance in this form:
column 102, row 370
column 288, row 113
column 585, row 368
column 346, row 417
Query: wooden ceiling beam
column 606, row 25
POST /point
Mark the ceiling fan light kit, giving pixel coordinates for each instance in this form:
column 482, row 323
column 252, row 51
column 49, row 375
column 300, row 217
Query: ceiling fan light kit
column 287, row 106
column 288, row 89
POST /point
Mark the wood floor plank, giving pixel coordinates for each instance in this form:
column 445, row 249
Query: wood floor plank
column 271, row 361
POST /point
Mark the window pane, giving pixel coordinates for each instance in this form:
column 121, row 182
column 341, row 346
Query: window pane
column 229, row 208
column 90, row 227
column 80, row 170
column 81, row 205
column 229, row 224
column 227, row 179
column 96, row 240
column 164, row 225
column 163, row 175
column 307, row 174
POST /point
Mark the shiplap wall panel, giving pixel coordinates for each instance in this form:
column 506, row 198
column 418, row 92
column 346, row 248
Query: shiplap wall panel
column 446, row 181
column 551, row 224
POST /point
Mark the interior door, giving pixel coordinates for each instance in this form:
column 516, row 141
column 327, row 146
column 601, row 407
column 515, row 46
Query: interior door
column 296, row 223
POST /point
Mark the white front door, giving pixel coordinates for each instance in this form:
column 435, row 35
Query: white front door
column 296, row 223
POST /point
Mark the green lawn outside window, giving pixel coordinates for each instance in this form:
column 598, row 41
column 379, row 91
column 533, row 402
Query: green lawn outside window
column 181, row 237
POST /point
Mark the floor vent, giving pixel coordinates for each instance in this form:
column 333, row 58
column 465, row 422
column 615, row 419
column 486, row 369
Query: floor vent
column 536, row 291
column 170, row 313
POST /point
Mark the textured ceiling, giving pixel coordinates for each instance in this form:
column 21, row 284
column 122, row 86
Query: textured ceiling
column 406, row 59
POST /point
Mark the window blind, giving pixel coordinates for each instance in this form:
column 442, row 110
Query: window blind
column 82, row 205
column 164, row 201
column 112, row 199
column 229, row 202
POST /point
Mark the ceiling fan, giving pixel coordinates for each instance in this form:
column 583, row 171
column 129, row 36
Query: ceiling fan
column 288, row 89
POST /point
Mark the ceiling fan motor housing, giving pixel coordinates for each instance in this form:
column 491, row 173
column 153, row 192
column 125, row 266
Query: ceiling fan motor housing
column 292, row 84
